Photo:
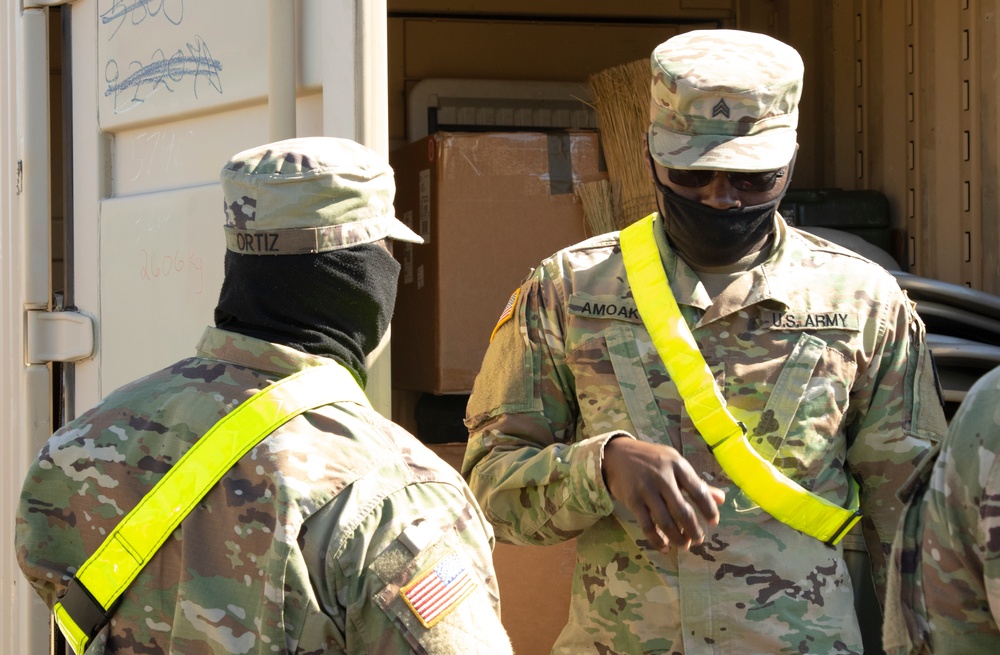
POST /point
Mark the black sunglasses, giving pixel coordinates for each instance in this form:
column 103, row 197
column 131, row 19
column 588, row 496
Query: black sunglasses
column 754, row 182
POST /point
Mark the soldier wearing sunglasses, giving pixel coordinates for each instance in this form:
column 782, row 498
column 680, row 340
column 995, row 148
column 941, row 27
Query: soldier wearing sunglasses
column 584, row 423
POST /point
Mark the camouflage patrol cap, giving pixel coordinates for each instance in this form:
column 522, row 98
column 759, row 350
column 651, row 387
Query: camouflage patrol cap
column 309, row 195
column 724, row 100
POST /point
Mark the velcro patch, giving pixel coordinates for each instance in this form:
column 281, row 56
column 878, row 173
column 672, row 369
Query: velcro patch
column 435, row 592
column 507, row 313
column 810, row 321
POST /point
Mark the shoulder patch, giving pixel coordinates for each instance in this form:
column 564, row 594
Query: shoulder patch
column 507, row 313
column 435, row 592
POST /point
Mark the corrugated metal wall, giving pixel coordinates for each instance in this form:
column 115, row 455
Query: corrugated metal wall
column 913, row 83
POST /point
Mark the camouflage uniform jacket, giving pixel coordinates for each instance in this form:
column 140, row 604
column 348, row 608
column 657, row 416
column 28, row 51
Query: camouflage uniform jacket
column 817, row 351
column 302, row 547
column 944, row 582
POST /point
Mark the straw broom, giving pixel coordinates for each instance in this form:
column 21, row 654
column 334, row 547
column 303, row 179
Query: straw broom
column 598, row 207
column 621, row 102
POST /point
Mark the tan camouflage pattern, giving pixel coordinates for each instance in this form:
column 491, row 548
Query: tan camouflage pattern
column 817, row 351
column 724, row 100
column 945, row 575
column 299, row 549
column 308, row 195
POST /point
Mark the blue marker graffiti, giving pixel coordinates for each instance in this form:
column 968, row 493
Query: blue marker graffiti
column 140, row 10
column 162, row 72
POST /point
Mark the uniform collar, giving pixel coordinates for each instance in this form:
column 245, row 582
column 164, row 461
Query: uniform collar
column 684, row 282
column 769, row 281
column 257, row 354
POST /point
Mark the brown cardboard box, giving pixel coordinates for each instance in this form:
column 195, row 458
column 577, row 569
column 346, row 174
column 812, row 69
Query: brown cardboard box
column 490, row 206
column 535, row 582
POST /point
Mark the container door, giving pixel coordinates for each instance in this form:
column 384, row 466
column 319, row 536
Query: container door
column 162, row 94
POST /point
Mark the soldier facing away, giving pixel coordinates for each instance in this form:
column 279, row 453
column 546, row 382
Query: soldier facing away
column 707, row 457
column 338, row 532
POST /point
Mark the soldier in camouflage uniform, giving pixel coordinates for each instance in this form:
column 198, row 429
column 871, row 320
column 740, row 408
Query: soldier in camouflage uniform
column 578, row 431
column 309, row 543
column 944, row 581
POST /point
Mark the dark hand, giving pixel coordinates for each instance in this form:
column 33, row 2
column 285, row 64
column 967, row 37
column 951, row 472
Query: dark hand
column 667, row 498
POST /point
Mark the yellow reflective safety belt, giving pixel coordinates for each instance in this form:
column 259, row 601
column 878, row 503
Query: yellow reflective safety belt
column 776, row 494
column 92, row 596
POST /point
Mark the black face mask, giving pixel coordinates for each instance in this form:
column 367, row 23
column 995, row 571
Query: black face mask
column 708, row 237
column 334, row 304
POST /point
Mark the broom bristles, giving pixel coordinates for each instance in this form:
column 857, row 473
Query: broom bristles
column 598, row 210
column 621, row 102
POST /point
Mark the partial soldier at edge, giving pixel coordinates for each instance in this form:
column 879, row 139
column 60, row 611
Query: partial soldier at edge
column 944, row 581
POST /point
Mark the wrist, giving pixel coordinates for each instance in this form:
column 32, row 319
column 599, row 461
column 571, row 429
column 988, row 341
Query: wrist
column 611, row 436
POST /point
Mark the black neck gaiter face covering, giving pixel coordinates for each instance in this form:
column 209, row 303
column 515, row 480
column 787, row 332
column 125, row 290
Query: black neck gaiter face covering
column 334, row 304
column 707, row 237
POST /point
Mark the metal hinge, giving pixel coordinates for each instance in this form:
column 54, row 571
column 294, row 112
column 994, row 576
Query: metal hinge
column 38, row 4
column 65, row 336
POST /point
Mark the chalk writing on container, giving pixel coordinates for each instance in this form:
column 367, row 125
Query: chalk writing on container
column 154, row 266
column 137, row 11
column 153, row 150
column 142, row 80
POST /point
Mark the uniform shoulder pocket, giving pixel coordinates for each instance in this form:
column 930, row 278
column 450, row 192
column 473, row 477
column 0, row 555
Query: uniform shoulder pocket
column 436, row 594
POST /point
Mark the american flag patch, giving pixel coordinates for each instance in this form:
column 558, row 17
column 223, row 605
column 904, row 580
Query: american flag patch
column 508, row 311
column 436, row 592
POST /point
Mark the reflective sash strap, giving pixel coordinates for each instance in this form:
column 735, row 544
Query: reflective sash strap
column 89, row 601
column 776, row 494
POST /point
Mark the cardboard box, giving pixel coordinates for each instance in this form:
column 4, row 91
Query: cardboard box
column 490, row 207
column 535, row 583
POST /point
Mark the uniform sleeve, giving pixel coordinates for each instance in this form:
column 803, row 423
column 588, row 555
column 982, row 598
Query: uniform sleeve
column 989, row 528
column 416, row 575
column 899, row 419
column 968, row 500
column 535, row 481
column 959, row 558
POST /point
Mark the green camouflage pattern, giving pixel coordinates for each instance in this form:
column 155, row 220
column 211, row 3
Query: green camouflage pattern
column 724, row 100
column 303, row 545
column 944, row 582
column 817, row 351
column 309, row 195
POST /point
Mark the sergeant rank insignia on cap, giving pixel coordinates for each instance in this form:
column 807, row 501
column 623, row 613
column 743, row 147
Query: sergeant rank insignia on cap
column 435, row 592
